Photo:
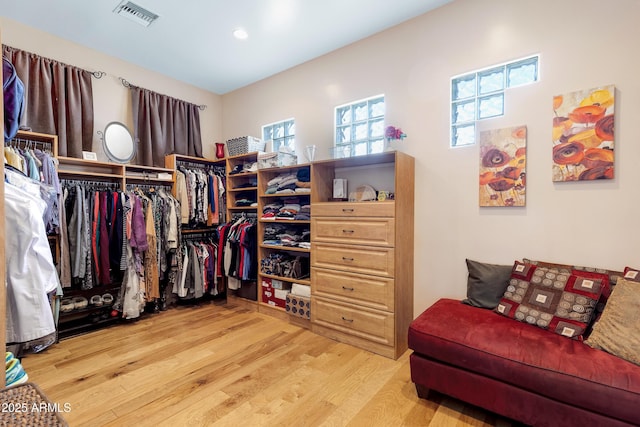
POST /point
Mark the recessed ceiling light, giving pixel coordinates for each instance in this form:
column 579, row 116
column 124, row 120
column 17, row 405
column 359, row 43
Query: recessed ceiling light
column 240, row 34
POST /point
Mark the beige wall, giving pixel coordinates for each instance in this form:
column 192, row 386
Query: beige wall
column 582, row 44
column 111, row 98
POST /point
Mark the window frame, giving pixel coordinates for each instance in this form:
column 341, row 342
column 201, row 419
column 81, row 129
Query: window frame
column 457, row 103
column 286, row 138
column 375, row 125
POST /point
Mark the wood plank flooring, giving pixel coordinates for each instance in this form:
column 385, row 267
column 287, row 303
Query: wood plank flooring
column 225, row 365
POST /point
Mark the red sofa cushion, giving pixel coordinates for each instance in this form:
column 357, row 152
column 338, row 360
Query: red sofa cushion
column 528, row 357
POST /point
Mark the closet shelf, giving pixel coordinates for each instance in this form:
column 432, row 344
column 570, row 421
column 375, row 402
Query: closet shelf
column 243, row 175
column 82, row 162
column 240, row 189
column 281, row 195
column 285, row 248
column 66, row 172
column 243, row 208
column 146, row 168
column 82, row 312
column 286, row 221
column 287, row 279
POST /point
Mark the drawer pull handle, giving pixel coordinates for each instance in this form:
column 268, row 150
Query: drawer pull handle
column 348, row 231
column 347, row 210
column 344, row 258
column 347, row 320
column 348, row 289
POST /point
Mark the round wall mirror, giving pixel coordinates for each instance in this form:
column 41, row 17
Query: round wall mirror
column 118, row 143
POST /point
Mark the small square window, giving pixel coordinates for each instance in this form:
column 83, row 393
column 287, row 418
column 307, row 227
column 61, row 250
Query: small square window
column 281, row 133
column 491, row 106
column 522, row 72
column 464, row 87
column 464, row 135
column 491, row 80
column 464, row 111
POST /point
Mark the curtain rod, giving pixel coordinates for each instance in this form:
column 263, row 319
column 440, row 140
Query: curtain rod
column 128, row 85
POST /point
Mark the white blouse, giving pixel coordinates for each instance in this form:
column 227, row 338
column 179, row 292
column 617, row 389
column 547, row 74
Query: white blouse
column 31, row 273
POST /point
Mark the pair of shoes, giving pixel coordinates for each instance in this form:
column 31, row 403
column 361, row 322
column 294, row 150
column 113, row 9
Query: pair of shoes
column 15, row 373
column 107, row 299
column 80, row 302
column 236, row 169
column 250, row 167
column 98, row 300
column 67, row 305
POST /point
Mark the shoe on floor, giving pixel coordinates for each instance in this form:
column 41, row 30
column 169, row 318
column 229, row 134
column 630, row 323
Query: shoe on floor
column 15, row 374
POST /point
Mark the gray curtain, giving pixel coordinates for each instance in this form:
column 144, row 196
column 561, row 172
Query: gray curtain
column 164, row 125
column 58, row 100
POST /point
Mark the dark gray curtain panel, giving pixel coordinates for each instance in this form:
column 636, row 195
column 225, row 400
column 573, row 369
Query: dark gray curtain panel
column 164, row 125
column 58, row 100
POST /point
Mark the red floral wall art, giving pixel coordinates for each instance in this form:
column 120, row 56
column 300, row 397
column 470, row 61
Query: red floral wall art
column 583, row 135
column 503, row 163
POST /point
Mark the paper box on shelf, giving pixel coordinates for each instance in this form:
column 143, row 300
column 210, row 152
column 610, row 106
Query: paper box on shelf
column 267, row 160
column 272, row 296
column 299, row 306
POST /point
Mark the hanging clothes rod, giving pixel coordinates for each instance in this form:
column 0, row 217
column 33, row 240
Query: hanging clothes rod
column 29, row 143
column 133, row 186
column 200, row 234
column 91, row 183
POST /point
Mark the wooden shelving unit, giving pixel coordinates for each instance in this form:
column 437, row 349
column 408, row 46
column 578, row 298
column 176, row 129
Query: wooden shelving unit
column 362, row 253
column 264, row 250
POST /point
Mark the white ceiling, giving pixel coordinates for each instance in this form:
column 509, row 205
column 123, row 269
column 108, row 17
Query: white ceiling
column 192, row 40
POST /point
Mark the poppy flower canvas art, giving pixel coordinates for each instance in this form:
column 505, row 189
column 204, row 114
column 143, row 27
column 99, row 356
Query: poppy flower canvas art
column 503, row 163
column 583, row 135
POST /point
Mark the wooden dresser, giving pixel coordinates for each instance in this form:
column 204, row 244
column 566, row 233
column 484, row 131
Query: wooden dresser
column 362, row 254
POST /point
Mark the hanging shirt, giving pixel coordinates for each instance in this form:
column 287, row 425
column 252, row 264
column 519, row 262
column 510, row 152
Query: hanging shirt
column 31, row 273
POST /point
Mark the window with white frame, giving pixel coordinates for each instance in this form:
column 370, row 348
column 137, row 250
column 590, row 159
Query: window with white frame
column 360, row 127
column 480, row 95
column 283, row 134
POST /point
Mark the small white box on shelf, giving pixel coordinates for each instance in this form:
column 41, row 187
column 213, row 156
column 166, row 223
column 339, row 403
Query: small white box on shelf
column 339, row 188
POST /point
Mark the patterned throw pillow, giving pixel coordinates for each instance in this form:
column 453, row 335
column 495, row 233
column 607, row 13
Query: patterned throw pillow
column 613, row 277
column 560, row 300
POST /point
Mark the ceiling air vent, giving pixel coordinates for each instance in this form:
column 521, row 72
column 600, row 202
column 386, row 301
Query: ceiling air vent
column 135, row 13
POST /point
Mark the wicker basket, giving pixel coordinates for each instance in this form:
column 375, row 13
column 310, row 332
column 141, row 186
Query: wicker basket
column 244, row 145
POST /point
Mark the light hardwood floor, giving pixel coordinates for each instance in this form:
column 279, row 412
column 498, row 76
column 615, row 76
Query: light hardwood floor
column 229, row 366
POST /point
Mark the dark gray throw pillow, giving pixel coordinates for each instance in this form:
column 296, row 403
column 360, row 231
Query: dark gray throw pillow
column 486, row 283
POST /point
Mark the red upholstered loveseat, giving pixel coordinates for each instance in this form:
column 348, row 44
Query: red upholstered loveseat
column 520, row 371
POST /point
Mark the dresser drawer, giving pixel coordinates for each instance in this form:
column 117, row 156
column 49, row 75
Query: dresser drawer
column 360, row 231
column 355, row 209
column 371, row 291
column 358, row 259
column 368, row 324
